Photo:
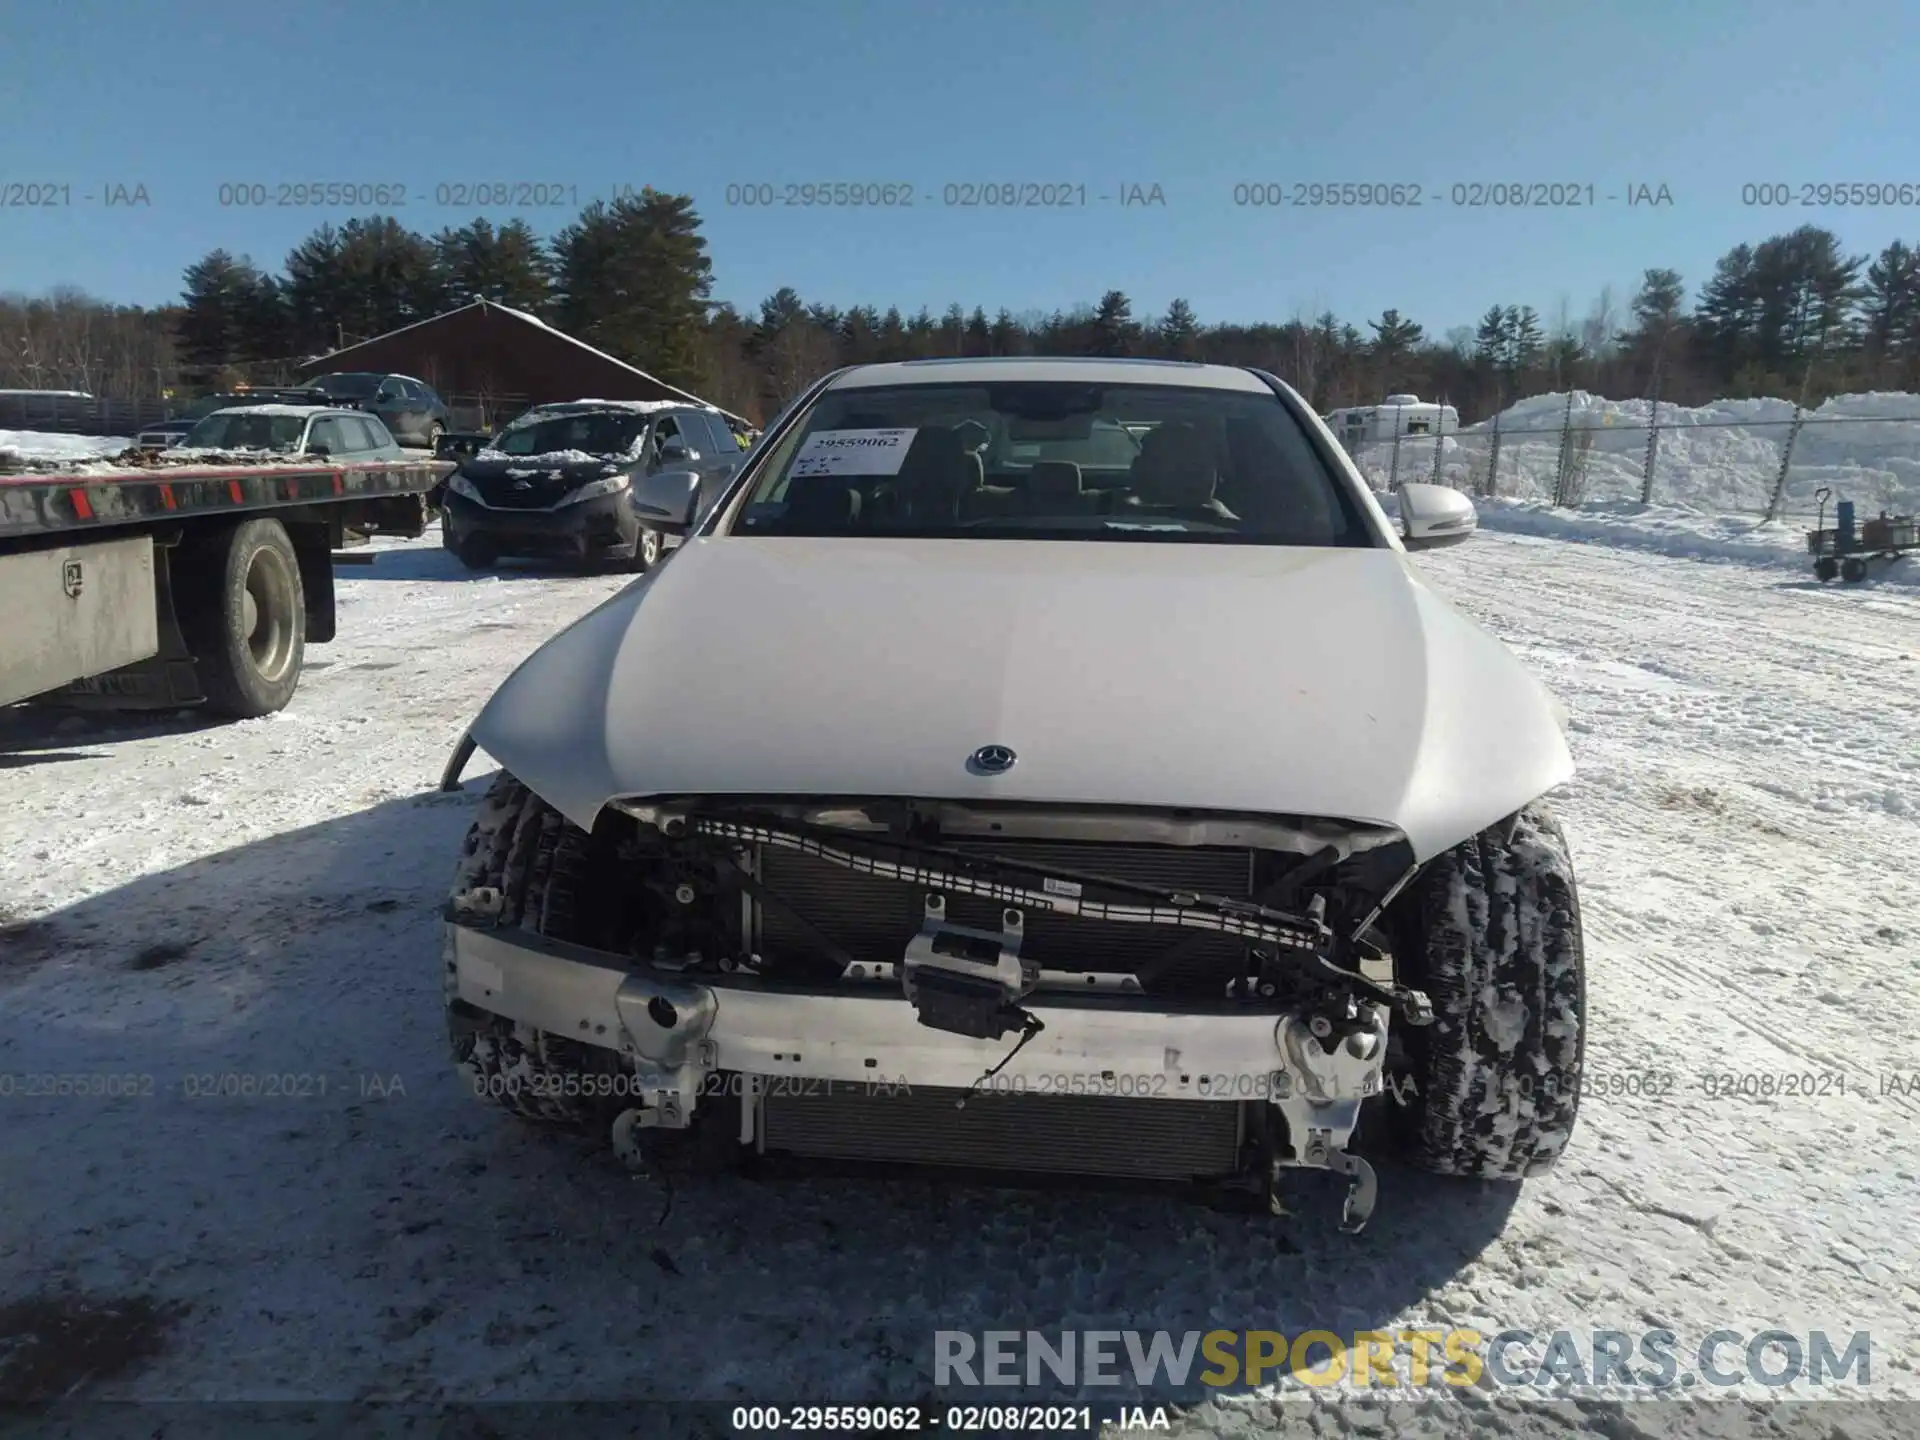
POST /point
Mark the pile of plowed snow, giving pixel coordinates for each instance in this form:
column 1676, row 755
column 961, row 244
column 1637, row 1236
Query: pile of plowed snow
column 1720, row 458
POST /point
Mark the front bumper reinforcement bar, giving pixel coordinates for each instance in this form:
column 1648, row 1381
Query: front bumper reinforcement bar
column 675, row 1032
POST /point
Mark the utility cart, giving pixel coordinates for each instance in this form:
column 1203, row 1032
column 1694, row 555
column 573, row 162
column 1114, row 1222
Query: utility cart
column 1843, row 551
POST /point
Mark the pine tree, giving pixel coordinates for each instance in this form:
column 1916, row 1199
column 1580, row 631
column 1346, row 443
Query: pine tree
column 632, row 278
column 1658, row 318
column 1807, row 292
column 1892, row 305
column 1491, row 339
column 1179, row 332
column 317, row 292
column 953, row 330
column 781, row 309
column 266, row 330
column 979, row 338
column 1728, row 314
column 921, row 332
column 1525, row 341
column 508, row 266
column 860, row 335
column 218, row 297
column 1394, row 341
column 793, row 345
column 392, row 276
column 1110, row 329
column 1006, row 336
column 894, row 344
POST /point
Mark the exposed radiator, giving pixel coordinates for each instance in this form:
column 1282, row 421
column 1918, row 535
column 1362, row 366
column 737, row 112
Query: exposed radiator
column 873, row 919
column 1055, row 1134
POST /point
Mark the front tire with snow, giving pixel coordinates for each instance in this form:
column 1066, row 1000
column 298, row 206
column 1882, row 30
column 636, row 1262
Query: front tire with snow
column 1491, row 931
column 532, row 859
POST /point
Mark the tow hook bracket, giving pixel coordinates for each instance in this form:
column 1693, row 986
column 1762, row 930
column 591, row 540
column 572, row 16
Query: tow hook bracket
column 965, row 980
column 627, row 1146
column 1336, row 1073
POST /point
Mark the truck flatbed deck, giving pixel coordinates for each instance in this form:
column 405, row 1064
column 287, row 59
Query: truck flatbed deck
column 51, row 502
column 173, row 582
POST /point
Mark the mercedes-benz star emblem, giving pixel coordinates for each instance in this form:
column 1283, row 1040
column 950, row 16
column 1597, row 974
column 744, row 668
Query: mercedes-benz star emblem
column 991, row 760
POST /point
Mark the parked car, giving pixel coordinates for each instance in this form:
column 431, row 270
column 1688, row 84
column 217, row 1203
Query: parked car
column 165, row 434
column 409, row 407
column 1145, row 816
column 350, row 435
column 558, row 482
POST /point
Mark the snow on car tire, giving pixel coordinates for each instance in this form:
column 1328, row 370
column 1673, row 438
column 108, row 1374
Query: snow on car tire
column 1491, row 931
column 520, row 865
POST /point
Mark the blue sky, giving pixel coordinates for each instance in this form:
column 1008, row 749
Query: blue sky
column 1702, row 96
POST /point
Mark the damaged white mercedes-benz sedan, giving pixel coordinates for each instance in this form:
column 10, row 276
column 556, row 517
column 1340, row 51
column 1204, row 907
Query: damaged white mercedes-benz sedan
column 1037, row 766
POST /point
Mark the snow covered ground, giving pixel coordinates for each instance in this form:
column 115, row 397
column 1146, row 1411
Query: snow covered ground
column 186, row 902
column 1721, row 458
column 1673, row 530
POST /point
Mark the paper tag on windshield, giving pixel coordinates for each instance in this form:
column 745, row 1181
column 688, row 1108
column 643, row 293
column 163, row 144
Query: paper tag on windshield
column 852, row 452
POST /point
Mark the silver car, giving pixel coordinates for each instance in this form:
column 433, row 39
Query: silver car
column 352, row 436
column 1032, row 765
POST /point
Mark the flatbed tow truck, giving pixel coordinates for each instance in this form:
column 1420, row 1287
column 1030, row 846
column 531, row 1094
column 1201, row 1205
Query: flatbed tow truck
column 160, row 582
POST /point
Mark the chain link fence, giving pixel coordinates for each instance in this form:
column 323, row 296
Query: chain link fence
column 1579, row 449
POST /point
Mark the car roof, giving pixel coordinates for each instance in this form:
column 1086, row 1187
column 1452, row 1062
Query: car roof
column 316, row 411
column 1063, row 369
column 639, row 407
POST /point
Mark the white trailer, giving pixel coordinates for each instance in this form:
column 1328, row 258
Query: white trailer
column 1396, row 415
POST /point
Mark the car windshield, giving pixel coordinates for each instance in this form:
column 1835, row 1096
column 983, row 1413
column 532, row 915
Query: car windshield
column 1044, row 460
column 594, row 432
column 349, row 385
column 246, row 430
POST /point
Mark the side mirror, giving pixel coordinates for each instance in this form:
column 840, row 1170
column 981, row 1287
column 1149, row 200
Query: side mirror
column 676, row 450
column 321, row 450
column 1435, row 515
column 667, row 498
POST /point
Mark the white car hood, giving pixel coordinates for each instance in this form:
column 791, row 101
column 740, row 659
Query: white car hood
column 1321, row 682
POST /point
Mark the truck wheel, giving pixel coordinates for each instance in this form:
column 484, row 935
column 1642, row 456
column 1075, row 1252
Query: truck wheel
column 1853, row 570
column 649, row 548
column 524, row 851
column 243, row 614
column 1826, row 568
column 1491, row 931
